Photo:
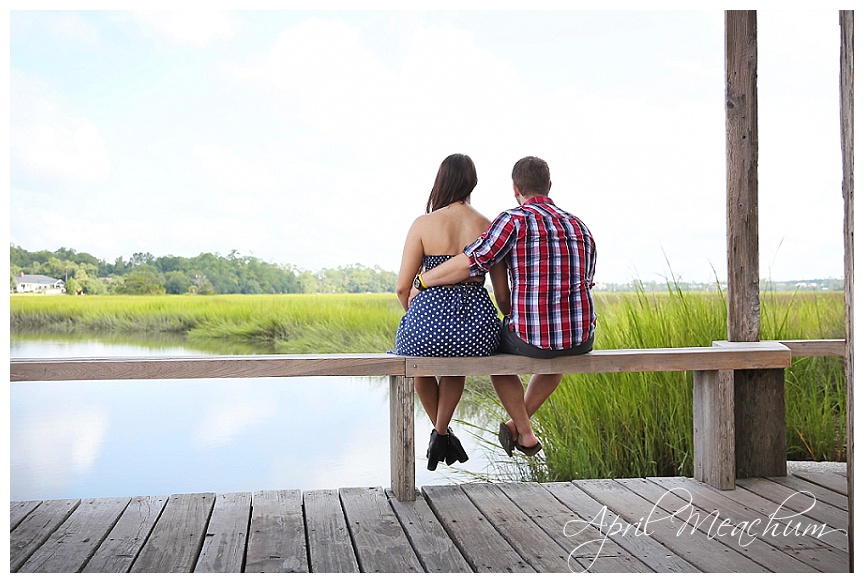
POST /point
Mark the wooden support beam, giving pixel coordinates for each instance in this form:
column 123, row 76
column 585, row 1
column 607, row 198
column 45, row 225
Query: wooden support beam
column 742, row 178
column 847, row 138
column 402, row 438
column 755, row 392
column 713, row 430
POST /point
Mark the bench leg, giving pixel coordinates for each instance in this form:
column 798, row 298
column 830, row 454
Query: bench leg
column 402, row 480
column 760, row 422
column 714, row 429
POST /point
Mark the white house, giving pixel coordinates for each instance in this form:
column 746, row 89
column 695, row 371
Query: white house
column 40, row 284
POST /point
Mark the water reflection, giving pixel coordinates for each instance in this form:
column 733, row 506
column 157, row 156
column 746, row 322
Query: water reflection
column 80, row 439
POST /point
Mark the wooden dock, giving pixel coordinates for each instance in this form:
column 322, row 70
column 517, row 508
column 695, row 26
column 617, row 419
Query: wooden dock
column 795, row 523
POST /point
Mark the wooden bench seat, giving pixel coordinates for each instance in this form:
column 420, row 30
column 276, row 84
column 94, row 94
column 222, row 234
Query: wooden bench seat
column 728, row 355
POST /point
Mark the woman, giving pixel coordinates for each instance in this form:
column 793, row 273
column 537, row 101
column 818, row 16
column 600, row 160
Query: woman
column 457, row 320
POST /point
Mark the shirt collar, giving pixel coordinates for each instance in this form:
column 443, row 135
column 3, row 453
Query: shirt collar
column 538, row 199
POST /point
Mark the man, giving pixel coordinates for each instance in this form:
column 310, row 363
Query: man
column 550, row 312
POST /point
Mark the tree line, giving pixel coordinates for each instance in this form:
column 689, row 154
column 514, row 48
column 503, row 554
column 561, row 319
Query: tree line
column 207, row 273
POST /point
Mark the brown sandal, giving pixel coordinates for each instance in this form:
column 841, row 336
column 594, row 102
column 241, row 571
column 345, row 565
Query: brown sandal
column 505, row 438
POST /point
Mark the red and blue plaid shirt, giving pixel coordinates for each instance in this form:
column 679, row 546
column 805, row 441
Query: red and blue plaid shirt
column 551, row 256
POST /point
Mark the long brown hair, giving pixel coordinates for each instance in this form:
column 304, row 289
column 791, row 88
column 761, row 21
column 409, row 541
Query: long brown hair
column 456, row 178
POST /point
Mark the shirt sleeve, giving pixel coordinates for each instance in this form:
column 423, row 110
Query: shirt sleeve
column 493, row 245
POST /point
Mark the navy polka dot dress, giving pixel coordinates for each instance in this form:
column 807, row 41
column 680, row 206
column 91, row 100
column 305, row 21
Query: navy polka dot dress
column 458, row 320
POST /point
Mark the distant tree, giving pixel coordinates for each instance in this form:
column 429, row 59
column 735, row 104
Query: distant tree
column 142, row 259
column 88, row 282
column 143, row 280
column 72, row 287
column 231, row 274
column 201, row 285
column 177, row 282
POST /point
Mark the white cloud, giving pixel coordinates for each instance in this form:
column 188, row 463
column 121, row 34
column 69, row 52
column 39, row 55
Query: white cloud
column 50, row 143
column 73, row 26
column 229, row 170
column 193, row 27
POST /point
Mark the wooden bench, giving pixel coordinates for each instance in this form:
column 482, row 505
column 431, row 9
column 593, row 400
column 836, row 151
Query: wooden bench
column 720, row 439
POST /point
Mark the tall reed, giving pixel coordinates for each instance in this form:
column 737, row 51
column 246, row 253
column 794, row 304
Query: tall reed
column 629, row 425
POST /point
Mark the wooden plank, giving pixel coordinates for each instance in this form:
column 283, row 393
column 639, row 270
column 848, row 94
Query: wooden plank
column 538, row 549
column 768, row 507
column 827, row 347
column 745, row 355
column 225, row 540
column 430, row 542
column 176, row 540
column 754, row 524
column 565, row 527
column 402, row 470
column 742, row 177
column 712, row 528
column 208, row 367
column 801, row 502
column 481, row 545
column 330, row 548
column 277, row 535
column 36, row 528
column 707, row 555
column 830, row 480
column 69, row 547
column 824, row 495
column 19, row 510
column 119, row 549
column 379, row 541
column 616, row 530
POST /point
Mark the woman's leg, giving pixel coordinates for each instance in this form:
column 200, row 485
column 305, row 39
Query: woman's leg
column 427, row 391
column 449, row 393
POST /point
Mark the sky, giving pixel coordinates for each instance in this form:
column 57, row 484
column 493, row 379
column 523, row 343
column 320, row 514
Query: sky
column 312, row 138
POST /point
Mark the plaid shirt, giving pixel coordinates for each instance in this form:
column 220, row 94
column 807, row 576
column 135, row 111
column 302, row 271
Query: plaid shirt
column 550, row 254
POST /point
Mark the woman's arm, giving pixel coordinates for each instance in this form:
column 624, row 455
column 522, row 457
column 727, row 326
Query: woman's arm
column 412, row 260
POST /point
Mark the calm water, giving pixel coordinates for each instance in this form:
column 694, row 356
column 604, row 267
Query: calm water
column 82, row 439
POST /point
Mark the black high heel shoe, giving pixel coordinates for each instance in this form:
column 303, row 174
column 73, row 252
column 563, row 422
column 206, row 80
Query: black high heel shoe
column 455, row 451
column 437, row 452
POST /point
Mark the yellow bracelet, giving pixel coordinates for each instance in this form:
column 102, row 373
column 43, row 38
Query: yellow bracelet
column 422, row 283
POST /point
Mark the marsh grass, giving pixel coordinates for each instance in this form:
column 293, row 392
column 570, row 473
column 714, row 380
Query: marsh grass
column 637, row 425
column 594, row 426
column 292, row 323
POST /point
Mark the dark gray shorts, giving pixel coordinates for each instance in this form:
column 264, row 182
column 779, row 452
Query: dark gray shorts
column 510, row 343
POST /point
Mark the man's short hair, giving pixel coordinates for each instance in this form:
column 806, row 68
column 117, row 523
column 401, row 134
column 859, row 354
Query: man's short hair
column 531, row 176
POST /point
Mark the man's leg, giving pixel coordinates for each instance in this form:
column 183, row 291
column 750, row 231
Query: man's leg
column 512, row 396
column 540, row 388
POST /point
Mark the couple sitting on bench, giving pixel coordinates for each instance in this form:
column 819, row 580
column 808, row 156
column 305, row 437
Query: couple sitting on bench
column 543, row 253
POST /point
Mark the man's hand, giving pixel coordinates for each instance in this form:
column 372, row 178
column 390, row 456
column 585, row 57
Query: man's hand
column 413, row 294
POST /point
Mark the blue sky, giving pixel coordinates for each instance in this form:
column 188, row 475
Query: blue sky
column 312, row 138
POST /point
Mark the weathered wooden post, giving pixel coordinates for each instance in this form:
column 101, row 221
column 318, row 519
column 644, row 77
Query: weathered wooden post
column 402, row 479
column 847, row 62
column 759, row 395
